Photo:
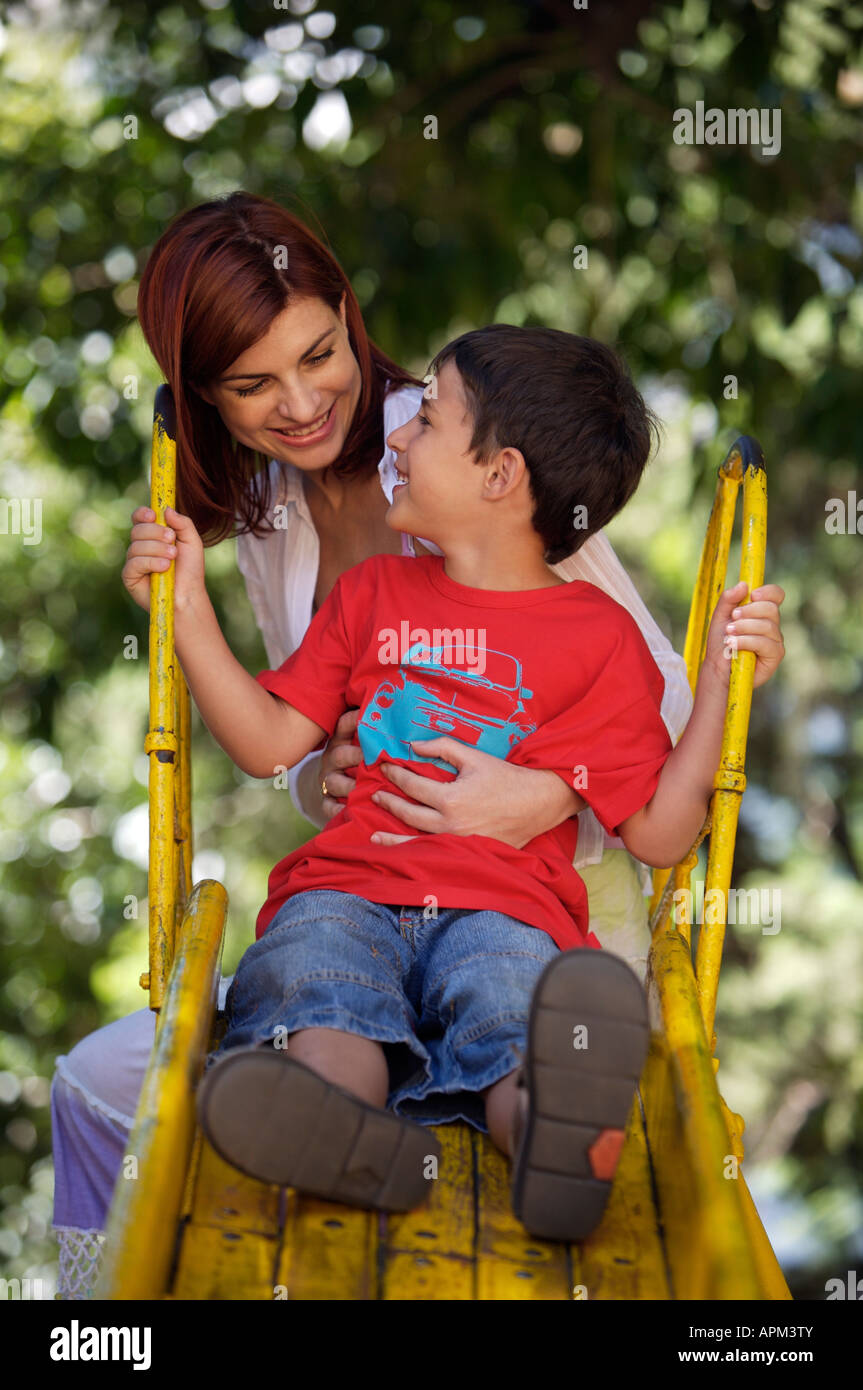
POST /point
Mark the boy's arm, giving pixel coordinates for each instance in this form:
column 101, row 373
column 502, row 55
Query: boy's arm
column 262, row 722
column 663, row 831
column 257, row 729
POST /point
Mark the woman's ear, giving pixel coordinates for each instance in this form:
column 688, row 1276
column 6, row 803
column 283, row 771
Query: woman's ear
column 343, row 313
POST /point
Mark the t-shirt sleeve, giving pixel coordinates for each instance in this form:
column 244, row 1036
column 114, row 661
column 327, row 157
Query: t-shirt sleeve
column 610, row 745
column 314, row 677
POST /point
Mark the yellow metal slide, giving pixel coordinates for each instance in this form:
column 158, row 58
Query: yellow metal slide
column 680, row 1223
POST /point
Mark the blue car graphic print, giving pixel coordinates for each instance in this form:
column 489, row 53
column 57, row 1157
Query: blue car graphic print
column 408, row 707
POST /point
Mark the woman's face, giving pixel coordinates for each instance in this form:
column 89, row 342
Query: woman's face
column 293, row 393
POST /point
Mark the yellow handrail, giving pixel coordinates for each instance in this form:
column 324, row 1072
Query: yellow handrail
column 728, row 1264
column 161, row 742
column 186, row 929
column 747, row 462
column 183, row 796
column 735, row 1259
column 744, row 463
column 145, row 1210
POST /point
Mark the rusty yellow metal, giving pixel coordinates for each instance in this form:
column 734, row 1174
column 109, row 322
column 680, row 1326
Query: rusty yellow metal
column 668, row 885
column 678, row 1091
column 191, row 1176
column 510, row 1263
column 182, row 851
column 713, row 563
column 183, row 792
column 230, row 1241
column 142, row 1227
column 725, row 1265
column 744, row 464
column 720, row 1249
column 770, row 1275
column 228, row 1266
column 328, row 1252
column 660, row 882
column 682, row 904
column 161, row 742
column 708, row 586
column 427, row 1253
column 223, row 1196
column 685, row 1256
column 730, row 779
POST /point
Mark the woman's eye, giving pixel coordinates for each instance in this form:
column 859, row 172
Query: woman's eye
column 313, row 361
column 423, row 419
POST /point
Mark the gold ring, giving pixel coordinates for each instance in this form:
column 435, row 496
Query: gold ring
column 324, row 791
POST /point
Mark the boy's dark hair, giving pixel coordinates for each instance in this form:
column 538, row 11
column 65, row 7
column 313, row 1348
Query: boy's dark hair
column 569, row 405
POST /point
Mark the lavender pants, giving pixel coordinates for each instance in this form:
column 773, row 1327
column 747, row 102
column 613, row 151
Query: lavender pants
column 94, row 1096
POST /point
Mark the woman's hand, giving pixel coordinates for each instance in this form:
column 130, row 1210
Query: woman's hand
column 339, row 754
column 746, row 627
column 488, row 797
column 153, row 548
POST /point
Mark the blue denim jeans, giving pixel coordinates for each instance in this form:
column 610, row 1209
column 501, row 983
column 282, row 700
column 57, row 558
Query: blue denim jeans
column 448, row 997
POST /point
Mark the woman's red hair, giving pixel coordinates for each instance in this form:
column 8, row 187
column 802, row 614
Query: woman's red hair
column 210, row 289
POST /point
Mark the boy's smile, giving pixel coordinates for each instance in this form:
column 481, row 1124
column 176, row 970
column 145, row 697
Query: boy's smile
column 439, row 484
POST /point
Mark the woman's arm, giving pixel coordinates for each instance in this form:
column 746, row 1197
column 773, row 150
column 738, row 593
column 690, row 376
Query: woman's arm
column 304, row 785
column 330, row 767
column 488, row 797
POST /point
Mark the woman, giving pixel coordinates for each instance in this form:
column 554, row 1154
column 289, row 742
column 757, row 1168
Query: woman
column 260, row 336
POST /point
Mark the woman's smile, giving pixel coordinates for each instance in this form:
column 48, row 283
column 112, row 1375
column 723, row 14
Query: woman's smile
column 319, row 429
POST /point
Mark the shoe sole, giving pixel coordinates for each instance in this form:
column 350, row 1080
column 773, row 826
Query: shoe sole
column 579, row 1097
column 278, row 1121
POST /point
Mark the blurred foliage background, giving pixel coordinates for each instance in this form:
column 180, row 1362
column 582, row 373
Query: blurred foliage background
column 554, row 130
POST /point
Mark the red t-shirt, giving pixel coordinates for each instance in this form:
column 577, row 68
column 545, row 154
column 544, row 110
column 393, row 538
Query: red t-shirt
column 558, row 678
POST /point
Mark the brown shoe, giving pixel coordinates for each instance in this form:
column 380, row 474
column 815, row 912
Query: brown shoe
column 277, row 1120
column 586, row 1046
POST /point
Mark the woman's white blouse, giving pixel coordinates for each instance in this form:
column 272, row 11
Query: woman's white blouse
column 280, row 570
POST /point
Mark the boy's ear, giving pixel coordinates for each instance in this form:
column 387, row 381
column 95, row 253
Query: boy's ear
column 505, row 471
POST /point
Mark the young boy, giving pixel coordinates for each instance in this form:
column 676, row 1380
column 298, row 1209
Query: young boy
column 437, row 976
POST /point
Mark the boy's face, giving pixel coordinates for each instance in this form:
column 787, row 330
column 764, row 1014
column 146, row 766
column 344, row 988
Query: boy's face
column 441, row 495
